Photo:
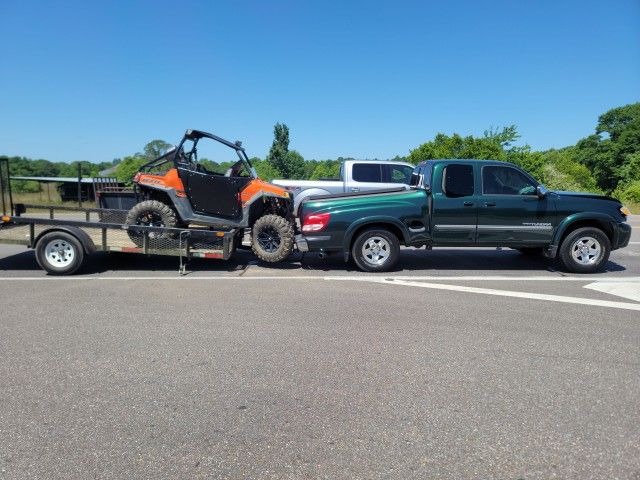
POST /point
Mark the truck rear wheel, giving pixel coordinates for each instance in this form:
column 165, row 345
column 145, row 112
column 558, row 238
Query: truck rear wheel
column 272, row 238
column 151, row 213
column 59, row 253
column 585, row 250
column 376, row 250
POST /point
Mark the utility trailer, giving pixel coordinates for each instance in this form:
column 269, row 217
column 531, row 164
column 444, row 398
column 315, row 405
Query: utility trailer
column 63, row 237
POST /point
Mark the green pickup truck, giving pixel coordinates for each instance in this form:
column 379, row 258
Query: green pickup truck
column 466, row 203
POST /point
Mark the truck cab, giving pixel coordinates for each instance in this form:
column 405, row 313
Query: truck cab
column 355, row 176
column 468, row 203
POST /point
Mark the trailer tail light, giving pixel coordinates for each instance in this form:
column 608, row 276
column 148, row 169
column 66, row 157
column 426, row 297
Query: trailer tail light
column 315, row 222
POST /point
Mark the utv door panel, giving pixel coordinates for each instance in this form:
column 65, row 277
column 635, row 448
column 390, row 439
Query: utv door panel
column 213, row 194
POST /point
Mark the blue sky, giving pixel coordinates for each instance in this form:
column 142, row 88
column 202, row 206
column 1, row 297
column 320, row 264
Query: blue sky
column 97, row 80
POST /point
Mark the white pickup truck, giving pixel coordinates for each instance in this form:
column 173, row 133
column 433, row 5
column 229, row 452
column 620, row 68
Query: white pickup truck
column 355, row 176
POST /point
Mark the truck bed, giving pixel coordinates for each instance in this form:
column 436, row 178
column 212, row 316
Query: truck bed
column 355, row 194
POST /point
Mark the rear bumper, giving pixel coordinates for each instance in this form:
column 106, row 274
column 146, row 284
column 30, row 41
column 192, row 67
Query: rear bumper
column 301, row 243
column 313, row 243
column 623, row 235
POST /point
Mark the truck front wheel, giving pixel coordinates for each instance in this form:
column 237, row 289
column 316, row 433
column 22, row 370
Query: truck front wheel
column 585, row 250
column 59, row 253
column 376, row 250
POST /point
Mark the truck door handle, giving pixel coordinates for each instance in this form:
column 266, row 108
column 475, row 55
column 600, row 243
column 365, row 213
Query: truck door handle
column 468, row 204
column 489, row 204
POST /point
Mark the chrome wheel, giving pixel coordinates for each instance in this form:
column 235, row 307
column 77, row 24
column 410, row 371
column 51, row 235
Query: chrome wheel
column 376, row 250
column 586, row 251
column 59, row 253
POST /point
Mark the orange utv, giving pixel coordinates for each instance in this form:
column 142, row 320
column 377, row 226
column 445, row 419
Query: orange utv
column 176, row 190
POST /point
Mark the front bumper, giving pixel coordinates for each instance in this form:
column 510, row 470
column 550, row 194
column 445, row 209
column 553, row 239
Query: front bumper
column 623, row 235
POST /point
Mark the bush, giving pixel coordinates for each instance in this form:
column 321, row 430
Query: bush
column 629, row 193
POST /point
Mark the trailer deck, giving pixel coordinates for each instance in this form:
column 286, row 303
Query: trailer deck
column 100, row 229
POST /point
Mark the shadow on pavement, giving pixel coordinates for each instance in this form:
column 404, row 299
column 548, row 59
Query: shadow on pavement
column 410, row 260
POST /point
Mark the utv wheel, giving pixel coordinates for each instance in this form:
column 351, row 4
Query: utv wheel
column 151, row 213
column 376, row 250
column 59, row 253
column 272, row 238
column 585, row 250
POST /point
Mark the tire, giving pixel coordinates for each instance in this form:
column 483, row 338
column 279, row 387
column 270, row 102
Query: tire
column 272, row 238
column 151, row 213
column 376, row 250
column 531, row 251
column 59, row 253
column 585, row 250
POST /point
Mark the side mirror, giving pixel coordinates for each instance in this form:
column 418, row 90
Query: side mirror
column 541, row 191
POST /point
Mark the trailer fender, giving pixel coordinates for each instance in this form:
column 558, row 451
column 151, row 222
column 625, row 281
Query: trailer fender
column 82, row 236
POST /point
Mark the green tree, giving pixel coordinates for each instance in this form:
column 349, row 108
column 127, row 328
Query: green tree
column 155, row 148
column 128, row 167
column 294, row 165
column 277, row 156
column 326, row 169
column 492, row 145
column 265, row 170
column 610, row 152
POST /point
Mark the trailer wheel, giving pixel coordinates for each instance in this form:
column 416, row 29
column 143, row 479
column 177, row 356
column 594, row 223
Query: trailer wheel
column 59, row 253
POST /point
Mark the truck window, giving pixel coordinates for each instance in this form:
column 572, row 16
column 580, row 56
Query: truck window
column 499, row 180
column 397, row 173
column 457, row 180
column 367, row 172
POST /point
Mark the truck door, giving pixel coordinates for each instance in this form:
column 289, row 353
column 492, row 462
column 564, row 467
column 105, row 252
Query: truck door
column 454, row 211
column 509, row 210
column 364, row 176
column 394, row 176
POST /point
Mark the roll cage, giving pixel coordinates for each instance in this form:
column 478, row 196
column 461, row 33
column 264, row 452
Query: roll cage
column 179, row 157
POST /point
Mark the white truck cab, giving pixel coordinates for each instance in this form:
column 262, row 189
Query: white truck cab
column 355, row 176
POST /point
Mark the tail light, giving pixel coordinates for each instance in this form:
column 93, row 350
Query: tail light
column 315, row 222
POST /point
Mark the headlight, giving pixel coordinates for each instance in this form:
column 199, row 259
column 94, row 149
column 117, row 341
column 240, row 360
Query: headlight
column 625, row 211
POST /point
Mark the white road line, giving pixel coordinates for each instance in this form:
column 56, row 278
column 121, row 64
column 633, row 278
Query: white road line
column 488, row 278
column 628, row 290
column 510, row 293
column 435, row 278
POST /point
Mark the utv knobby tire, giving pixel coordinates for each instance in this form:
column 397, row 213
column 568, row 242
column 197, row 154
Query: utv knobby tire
column 163, row 215
column 277, row 228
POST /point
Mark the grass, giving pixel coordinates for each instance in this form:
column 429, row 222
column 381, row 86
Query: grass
column 47, row 198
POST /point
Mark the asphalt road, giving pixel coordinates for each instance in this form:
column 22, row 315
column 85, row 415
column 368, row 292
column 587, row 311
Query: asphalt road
column 464, row 364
